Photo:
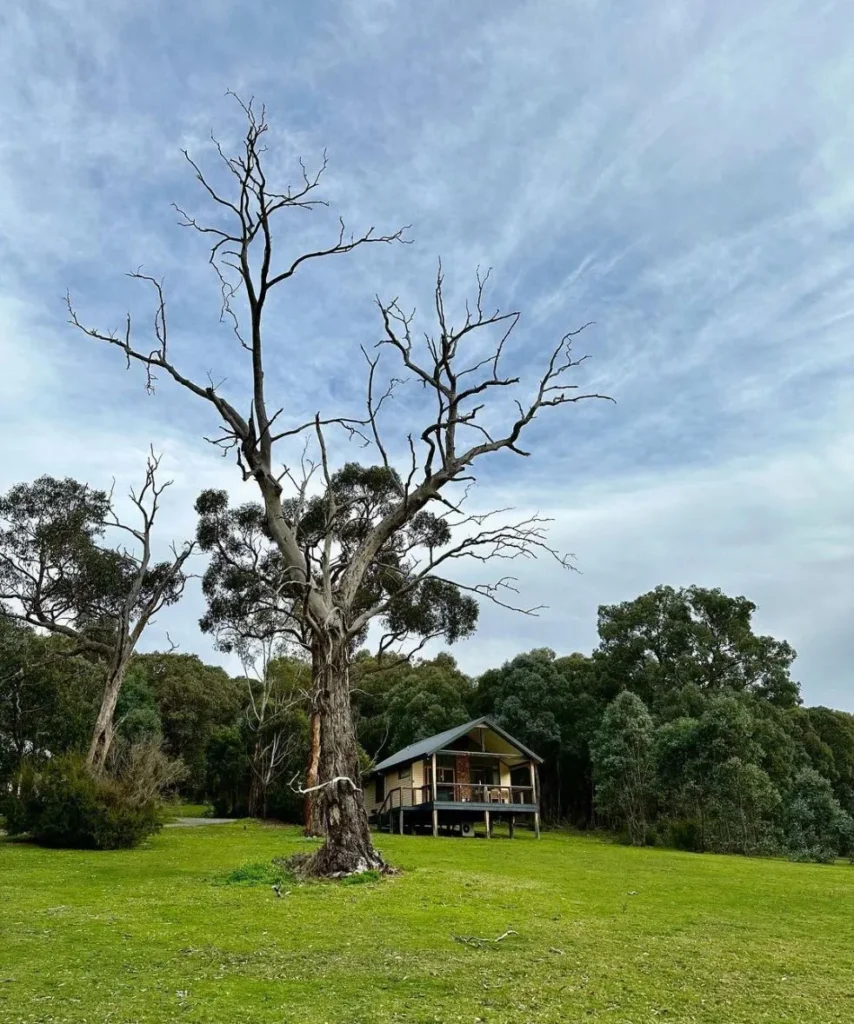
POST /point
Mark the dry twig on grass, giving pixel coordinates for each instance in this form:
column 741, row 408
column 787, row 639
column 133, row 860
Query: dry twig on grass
column 473, row 940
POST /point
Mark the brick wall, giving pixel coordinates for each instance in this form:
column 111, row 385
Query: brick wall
column 462, row 768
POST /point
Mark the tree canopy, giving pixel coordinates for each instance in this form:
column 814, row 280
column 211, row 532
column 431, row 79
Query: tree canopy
column 57, row 573
column 681, row 727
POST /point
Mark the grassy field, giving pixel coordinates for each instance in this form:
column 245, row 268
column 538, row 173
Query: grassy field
column 187, row 811
column 604, row 933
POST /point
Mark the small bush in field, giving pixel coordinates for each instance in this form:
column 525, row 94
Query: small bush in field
column 65, row 804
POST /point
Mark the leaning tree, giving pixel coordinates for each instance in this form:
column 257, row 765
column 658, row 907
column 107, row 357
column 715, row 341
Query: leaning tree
column 465, row 423
column 251, row 603
column 58, row 574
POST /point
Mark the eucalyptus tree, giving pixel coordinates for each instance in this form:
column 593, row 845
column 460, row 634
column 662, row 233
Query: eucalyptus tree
column 58, row 573
column 251, row 605
column 467, row 422
column 624, row 766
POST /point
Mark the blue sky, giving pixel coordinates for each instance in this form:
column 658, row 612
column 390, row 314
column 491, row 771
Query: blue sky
column 681, row 174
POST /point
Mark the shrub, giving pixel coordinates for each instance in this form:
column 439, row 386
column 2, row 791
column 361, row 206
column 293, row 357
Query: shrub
column 65, row 804
column 145, row 771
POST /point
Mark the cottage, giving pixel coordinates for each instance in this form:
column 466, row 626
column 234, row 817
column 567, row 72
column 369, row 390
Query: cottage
column 476, row 772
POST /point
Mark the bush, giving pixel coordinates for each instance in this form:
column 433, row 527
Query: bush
column 65, row 804
column 145, row 771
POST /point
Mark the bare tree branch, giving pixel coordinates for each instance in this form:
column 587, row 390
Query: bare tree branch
column 363, row 557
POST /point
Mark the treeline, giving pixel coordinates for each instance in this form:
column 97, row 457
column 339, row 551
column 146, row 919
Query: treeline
column 683, row 727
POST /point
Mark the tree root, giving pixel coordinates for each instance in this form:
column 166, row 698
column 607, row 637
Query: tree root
column 321, row 864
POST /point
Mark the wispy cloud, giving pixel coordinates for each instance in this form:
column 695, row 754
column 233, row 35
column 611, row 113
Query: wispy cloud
column 678, row 173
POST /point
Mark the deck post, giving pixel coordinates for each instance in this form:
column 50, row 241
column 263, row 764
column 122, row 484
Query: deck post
column 512, row 826
column 433, row 794
column 536, row 794
column 400, row 819
column 488, row 824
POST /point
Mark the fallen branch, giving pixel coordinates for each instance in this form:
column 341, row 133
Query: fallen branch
column 322, row 785
column 473, row 940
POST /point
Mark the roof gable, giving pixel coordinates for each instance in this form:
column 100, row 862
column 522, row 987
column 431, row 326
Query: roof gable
column 428, row 746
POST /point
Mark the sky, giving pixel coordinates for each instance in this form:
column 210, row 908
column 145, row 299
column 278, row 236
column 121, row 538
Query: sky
column 678, row 173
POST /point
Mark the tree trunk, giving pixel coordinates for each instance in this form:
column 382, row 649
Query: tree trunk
column 348, row 849
column 311, row 808
column 105, row 729
column 254, row 807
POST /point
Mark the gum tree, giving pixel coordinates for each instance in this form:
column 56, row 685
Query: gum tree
column 250, row 604
column 466, row 423
column 58, row 574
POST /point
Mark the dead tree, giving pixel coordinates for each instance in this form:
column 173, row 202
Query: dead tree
column 56, row 576
column 270, row 713
column 327, row 589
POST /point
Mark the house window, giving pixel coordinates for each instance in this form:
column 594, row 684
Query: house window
column 380, row 788
column 405, row 772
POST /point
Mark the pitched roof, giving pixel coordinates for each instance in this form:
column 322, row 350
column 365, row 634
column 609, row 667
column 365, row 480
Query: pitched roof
column 423, row 748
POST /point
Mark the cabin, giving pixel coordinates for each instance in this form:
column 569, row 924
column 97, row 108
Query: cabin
column 448, row 783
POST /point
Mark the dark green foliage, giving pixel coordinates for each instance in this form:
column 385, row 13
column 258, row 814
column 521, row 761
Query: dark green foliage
column 192, row 701
column 57, row 574
column 398, row 702
column 828, row 737
column 227, row 772
column 65, row 804
column 742, row 810
column 48, row 697
column 672, row 646
column 623, row 766
column 729, row 737
column 680, row 833
column 554, row 706
column 56, row 570
column 248, row 589
column 737, row 765
column 245, row 584
column 137, row 712
column 711, row 786
column 251, row 760
column 816, row 827
column 434, row 608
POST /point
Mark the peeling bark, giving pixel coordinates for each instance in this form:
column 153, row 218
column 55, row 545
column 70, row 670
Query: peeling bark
column 348, row 848
column 105, row 728
column 313, row 823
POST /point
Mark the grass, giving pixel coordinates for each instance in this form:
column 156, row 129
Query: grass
column 187, row 811
column 188, row 929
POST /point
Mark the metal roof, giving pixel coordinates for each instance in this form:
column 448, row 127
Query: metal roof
column 423, row 748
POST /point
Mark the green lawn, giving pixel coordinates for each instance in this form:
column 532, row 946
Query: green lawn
column 187, row 811
column 604, row 933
